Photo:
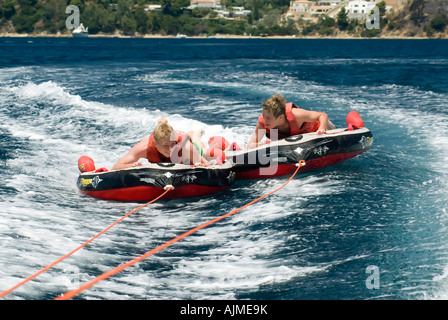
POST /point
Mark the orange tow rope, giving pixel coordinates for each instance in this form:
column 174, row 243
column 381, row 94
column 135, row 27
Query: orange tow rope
column 4, row 293
column 73, row 293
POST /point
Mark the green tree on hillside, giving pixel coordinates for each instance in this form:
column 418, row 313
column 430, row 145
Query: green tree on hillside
column 98, row 19
column 7, row 9
column 342, row 19
column 416, row 9
column 141, row 20
column 26, row 18
column 439, row 22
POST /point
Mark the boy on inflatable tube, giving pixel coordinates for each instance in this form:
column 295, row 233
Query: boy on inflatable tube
column 163, row 145
column 288, row 120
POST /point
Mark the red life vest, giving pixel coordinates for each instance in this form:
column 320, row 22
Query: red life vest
column 153, row 155
column 293, row 127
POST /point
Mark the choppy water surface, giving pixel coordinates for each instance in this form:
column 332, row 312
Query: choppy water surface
column 314, row 239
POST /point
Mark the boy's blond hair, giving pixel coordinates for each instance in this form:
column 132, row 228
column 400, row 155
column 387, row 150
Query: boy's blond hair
column 163, row 130
column 275, row 105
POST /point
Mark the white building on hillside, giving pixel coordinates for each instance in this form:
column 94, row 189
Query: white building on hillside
column 300, row 6
column 240, row 12
column 153, row 7
column 205, row 4
column 360, row 8
column 306, row 9
column 320, row 9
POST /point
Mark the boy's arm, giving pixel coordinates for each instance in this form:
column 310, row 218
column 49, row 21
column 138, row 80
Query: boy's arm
column 256, row 136
column 131, row 158
column 302, row 115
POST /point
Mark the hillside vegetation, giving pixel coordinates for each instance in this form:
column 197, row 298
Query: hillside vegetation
column 417, row 18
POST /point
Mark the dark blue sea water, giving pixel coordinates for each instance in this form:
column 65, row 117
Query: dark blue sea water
column 318, row 238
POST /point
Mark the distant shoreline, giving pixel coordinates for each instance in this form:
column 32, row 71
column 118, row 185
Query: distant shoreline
column 155, row 36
